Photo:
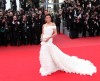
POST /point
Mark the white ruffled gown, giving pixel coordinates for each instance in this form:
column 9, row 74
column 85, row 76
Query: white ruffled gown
column 53, row 59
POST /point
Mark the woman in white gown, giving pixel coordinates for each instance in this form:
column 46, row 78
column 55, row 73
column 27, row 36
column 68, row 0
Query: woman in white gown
column 53, row 59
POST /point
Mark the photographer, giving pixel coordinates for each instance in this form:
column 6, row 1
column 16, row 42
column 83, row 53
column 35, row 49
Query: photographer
column 4, row 31
column 37, row 29
column 16, row 32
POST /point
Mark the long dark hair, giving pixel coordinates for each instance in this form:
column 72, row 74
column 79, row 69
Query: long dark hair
column 50, row 16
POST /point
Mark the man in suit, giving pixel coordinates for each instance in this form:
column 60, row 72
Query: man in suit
column 91, row 26
column 1, row 31
column 36, row 3
column 26, row 27
column 5, row 31
column 23, row 4
column 75, row 28
column 16, row 32
column 58, row 22
column 13, row 5
column 37, row 29
column 3, row 4
column 42, row 19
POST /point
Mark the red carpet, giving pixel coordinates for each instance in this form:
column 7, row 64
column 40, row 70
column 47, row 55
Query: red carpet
column 22, row 63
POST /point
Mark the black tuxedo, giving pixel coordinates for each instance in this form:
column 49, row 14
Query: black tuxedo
column 58, row 21
column 37, row 30
column 4, row 33
column 16, row 33
column 26, row 34
column 91, row 27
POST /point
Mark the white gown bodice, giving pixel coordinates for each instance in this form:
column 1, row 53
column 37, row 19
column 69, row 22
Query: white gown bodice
column 47, row 32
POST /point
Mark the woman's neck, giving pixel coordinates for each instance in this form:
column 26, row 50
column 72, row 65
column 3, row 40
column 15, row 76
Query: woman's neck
column 48, row 22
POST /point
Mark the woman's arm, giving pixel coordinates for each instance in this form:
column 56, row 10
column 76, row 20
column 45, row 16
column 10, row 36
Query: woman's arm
column 54, row 32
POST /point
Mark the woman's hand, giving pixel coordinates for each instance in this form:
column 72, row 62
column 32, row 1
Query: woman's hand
column 47, row 39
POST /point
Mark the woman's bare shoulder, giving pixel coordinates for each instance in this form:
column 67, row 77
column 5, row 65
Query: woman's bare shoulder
column 44, row 25
column 53, row 24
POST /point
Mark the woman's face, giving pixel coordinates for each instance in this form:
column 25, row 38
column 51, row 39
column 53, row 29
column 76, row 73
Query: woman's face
column 48, row 19
column 24, row 18
column 14, row 18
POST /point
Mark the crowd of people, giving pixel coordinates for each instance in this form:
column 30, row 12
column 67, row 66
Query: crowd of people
column 25, row 27
column 21, row 27
column 82, row 17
